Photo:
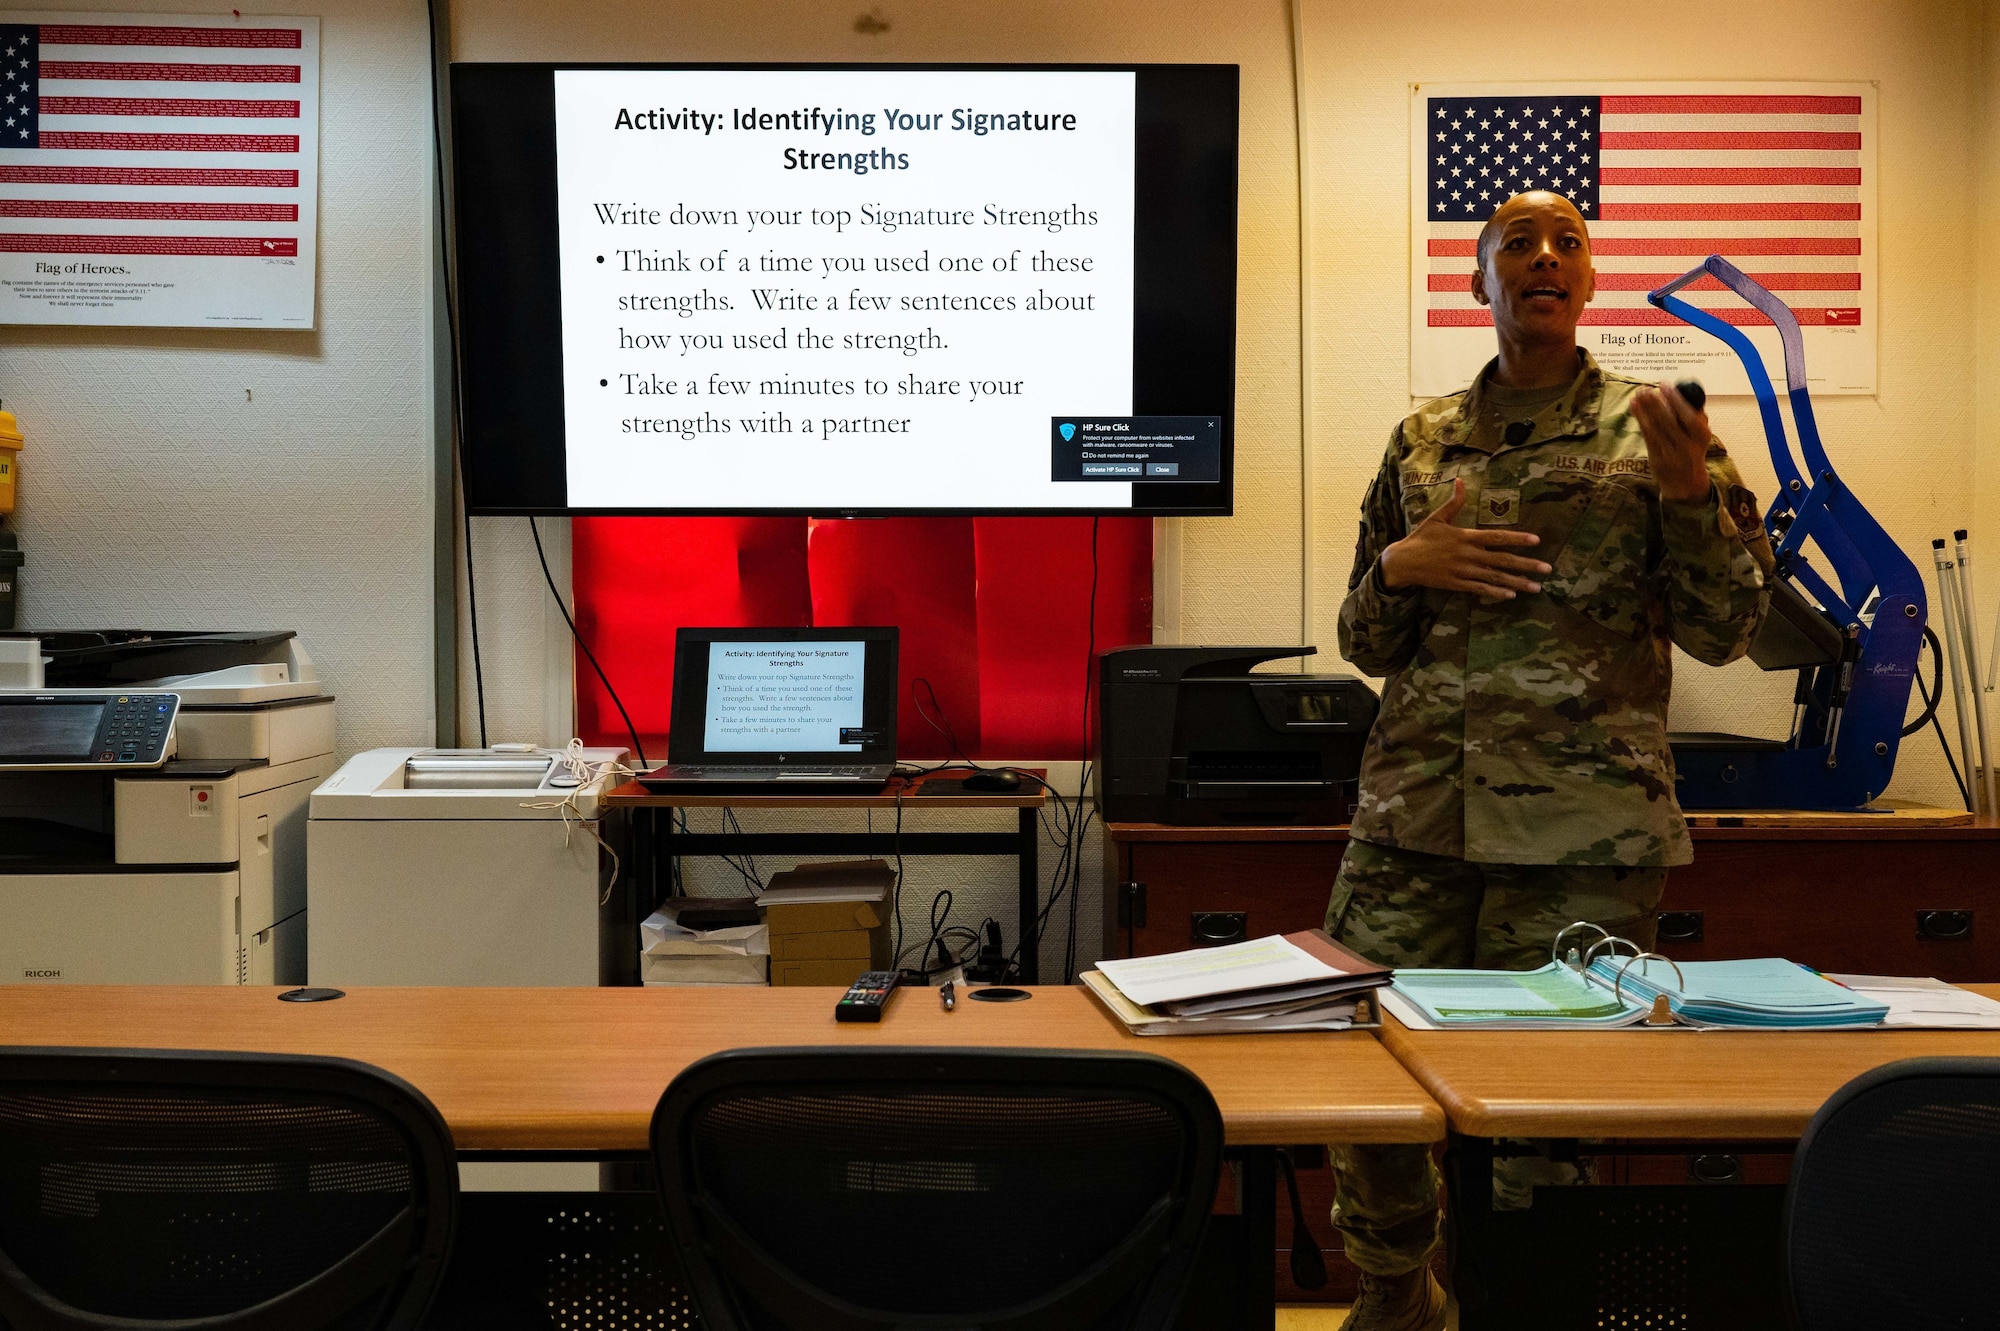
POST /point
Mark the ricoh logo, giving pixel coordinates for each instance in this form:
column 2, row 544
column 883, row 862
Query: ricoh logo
column 33, row 974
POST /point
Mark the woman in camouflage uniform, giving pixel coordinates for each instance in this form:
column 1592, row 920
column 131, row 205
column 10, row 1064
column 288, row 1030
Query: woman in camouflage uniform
column 1531, row 551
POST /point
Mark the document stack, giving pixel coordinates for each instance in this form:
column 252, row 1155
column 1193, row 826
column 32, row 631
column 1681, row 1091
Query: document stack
column 670, row 954
column 1291, row 982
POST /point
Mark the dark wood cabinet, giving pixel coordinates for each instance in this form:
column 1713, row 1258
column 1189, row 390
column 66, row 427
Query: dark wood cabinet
column 1894, row 897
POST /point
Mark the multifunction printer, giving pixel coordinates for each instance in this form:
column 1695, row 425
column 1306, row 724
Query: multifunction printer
column 1190, row 735
column 153, row 793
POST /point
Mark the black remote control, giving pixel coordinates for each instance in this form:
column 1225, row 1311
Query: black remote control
column 866, row 997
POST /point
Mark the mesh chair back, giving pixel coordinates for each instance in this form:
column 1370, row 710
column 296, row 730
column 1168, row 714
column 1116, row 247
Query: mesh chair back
column 238, row 1192
column 855, row 1189
column 1893, row 1217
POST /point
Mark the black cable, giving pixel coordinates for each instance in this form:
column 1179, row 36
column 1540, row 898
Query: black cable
column 748, row 869
column 1083, row 773
column 1937, row 684
column 1072, row 820
column 1930, row 711
column 939, row 722
column 941, row 930
column 588, row 655
column 451, row 337
column 896, row 957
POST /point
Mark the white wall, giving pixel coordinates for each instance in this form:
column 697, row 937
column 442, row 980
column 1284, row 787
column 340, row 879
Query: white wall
column 1907, row 452
column 155, row 494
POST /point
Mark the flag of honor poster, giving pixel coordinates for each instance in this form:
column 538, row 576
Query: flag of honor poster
column 1777, row 178
column 158, row 171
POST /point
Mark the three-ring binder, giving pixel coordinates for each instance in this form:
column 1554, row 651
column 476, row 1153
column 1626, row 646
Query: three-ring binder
column 1662, row 1012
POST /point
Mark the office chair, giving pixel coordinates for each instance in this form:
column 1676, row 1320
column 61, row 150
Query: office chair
column 217, row 1192
column 1008, row 1189
column 1893, row 1216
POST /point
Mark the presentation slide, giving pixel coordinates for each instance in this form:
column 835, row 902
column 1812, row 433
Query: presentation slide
column 813, row 289
column 795, row 697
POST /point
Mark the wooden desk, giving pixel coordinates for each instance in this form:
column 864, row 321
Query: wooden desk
column 1686, row 1085
column 580, row 1070
column 1677, row 1250
column 576, row 1073
column 656, row 841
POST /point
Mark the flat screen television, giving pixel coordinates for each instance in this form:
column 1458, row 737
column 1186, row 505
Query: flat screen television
column 838, row 290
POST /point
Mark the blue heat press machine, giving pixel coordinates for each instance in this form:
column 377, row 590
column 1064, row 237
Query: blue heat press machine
column 1855, row 649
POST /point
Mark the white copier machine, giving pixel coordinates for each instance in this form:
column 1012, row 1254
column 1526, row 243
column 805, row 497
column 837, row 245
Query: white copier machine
column 153, row 794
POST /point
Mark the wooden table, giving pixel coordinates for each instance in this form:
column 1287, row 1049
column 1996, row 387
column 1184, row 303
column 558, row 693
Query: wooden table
column 575, row 1073
column 580, row 1070
column 656, row 841
column 1681, row 1084
column 1713, row 1096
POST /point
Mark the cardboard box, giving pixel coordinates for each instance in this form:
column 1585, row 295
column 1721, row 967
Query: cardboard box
column 838, row 973
column 823, row 917
column 829, row 923
column 847, row 945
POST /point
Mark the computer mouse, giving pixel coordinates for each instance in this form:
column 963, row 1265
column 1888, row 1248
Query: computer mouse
column 994, row 780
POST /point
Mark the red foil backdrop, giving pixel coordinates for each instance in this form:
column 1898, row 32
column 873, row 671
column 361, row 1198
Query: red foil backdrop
column 993, row 613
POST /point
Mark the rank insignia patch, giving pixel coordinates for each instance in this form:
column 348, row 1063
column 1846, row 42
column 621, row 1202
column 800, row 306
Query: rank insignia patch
column 1499, row 508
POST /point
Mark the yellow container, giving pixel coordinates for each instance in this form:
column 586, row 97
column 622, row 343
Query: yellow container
column 10, row 459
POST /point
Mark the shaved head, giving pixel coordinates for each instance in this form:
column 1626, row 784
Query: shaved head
column 1489, row 235
column 1535, row 275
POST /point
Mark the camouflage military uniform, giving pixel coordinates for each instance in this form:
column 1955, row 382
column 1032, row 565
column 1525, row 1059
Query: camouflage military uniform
column 1533, row 731
column 1518, row 777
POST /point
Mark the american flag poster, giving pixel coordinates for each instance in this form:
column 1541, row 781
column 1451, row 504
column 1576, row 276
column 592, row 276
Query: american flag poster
column 158, row 171
column 1777, row 178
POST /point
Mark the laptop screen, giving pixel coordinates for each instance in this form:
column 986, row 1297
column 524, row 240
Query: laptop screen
column 802, row 696
column 782, row 695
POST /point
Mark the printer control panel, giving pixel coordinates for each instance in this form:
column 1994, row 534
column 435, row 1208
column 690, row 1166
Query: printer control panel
column 82, row 731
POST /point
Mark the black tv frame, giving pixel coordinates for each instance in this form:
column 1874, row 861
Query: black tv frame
column 507, row 282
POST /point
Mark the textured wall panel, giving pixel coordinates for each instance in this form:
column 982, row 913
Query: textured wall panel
column 156, row 493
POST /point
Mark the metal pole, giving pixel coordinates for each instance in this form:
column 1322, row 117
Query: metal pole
column 1954, row 661
column 1967, row 607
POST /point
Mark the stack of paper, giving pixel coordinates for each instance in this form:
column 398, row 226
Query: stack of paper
column 1295, row 982
column 1554, row 997
column 1923, row 1003
column 1761, row 992
column 670, row 954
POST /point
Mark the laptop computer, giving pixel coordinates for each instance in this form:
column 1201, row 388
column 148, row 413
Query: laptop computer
column 769, row 710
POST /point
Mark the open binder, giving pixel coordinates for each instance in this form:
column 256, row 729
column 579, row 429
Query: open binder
column 1597, row 986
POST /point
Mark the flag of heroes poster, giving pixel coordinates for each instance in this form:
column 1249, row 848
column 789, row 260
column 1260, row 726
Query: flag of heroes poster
column 1778, row 178
column 158, row 170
